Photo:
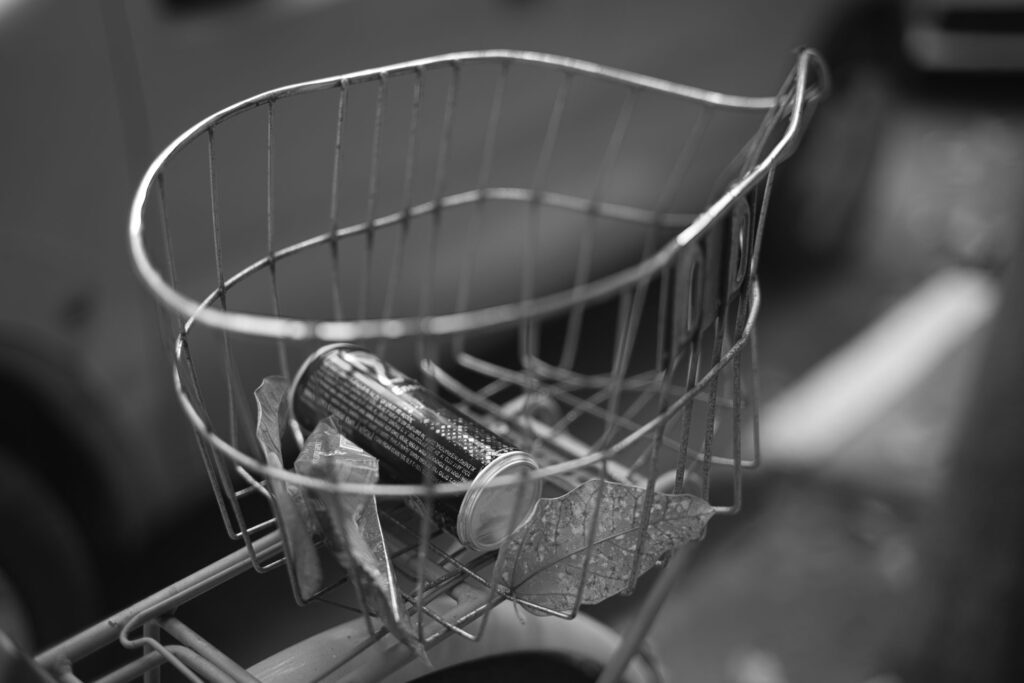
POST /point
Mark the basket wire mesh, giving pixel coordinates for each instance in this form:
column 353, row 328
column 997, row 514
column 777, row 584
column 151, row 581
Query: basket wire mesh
column 568, row 252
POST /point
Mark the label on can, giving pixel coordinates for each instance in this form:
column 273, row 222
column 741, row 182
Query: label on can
column 415, row 434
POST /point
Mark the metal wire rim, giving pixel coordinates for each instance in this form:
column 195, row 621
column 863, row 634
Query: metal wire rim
column 276, row 327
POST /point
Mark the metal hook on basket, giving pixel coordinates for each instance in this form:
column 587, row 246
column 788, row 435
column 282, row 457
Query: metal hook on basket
column 813, row 60
column 810, row 83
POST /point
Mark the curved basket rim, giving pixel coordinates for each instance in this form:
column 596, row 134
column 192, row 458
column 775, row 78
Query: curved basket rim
column 281, row 327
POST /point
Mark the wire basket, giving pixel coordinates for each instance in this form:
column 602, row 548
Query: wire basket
column 566, row 251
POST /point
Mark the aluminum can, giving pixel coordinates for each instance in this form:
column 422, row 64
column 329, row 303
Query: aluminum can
column 416, row 435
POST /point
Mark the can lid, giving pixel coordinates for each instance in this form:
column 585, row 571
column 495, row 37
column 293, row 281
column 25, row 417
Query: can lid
column 490, row 513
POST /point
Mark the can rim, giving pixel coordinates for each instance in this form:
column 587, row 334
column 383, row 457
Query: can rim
column 321, row 351
column 483, row 481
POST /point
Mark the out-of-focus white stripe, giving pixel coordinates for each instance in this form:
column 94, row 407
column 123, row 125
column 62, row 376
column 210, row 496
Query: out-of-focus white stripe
column 858, row 384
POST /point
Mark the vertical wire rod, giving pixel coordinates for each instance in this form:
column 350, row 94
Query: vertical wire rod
column 215, row 216
column 737, row 430
column 592, row 540
column 219, row 263
column 527, row 330
column 483, row 180
column 611, row 152
column 754, row 293
column 619, row 367
column 161, row 193
column 684, row 457
column 205, row 449
column 710, row 421
column 664, row 367
column 755, row 401
column 551, row 133
column 422, row 548
column 585, row 253
column 440, row 181
column 683, row 161
column 275, row 300
column 446, row 132
column 170, row 321
column 625, row 352
column 371, row 195
column 339, row 130
column 652, row 457
column 518, row 510
column 398, row 256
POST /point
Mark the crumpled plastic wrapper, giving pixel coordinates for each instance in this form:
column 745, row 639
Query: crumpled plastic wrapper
column 351, row 525
column 298, row 526
column 543, row 563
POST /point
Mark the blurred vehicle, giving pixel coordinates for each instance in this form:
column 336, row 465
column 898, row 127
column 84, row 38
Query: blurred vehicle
column 88, row 418
column 965, row 35
column 95, row 456
column 883, row 56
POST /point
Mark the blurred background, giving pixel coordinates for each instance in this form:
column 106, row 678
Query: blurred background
column 888, row 377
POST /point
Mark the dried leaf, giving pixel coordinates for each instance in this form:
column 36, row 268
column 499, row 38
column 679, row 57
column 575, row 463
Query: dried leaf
column 297, row 524
column 351, row 525
column 543, row 563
